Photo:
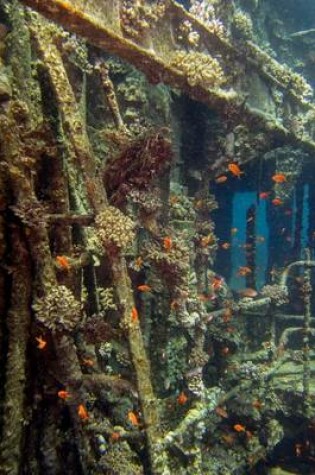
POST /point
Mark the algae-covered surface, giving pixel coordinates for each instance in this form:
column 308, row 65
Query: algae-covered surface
column 157, row 234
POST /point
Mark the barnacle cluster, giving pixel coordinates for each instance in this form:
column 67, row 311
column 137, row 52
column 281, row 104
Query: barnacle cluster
column 136, row 17
column 114, row 229
column 200, row 68
column 58, row 310
column 277, row 293
column 242, row 25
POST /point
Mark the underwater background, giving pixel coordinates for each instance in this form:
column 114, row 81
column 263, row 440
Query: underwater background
column 157, row 235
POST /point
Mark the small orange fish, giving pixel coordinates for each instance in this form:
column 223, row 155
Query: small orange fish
column 279, row 178
column 264, row 195
column 82, row 412
column 277, row 202
column 234, row 231
column 248, row 292
column 182, row 398
column 138, row 263
column 134, row 314
column 221, row 179
column 217, row 283
column 63, row 394
column 174, row 304
column 206, row 240
column 239, row 428
column 115, row 436
column 144, row 288
column 88, row 362
column 41, row 342
column 243, row 271
column 133, row 418
column 235, row 170
column 225, row 351
column 226, row 246
column 63, row 262
column 167, row 243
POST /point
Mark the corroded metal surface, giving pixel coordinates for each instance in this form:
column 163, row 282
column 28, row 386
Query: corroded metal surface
column 253, row 93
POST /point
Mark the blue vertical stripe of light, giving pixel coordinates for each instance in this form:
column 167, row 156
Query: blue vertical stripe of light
column 241, row 203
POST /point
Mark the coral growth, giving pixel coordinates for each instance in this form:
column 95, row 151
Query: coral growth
column 58, row 310
column 199, row 68
column 136, row 17
column 141, row 161
column 114, row 229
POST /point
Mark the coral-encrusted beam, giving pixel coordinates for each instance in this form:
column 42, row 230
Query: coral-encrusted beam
column 154, row 50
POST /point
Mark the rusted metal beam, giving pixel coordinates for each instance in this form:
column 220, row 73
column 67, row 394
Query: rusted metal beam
column 153, row 50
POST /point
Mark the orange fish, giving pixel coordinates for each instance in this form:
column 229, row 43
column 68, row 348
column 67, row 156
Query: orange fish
column 144, row 288
column 63, row 394
column 226, row 246
column 82, row 412
column 174, row 304
column 248, row 292
column 133, row 418
column 264, row 195
column 221, row 179
column 138, row 263
column 277, row 202
column 216, row 283
column 167, row 243
column 239, row 428
column 244, row 270
column 63, row 262
column 115, row 436
column 225, row 351
column 235, row 169
column 206, row 240
column 41, row 342
column 234, row 231
column 88, row 362
column 279, row 178
column 134, row 314
column 182, row 398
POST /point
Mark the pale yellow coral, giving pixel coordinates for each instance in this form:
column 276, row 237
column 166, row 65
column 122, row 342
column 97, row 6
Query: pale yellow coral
column 199, row 68
column 58, row 310
column 114, row 229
